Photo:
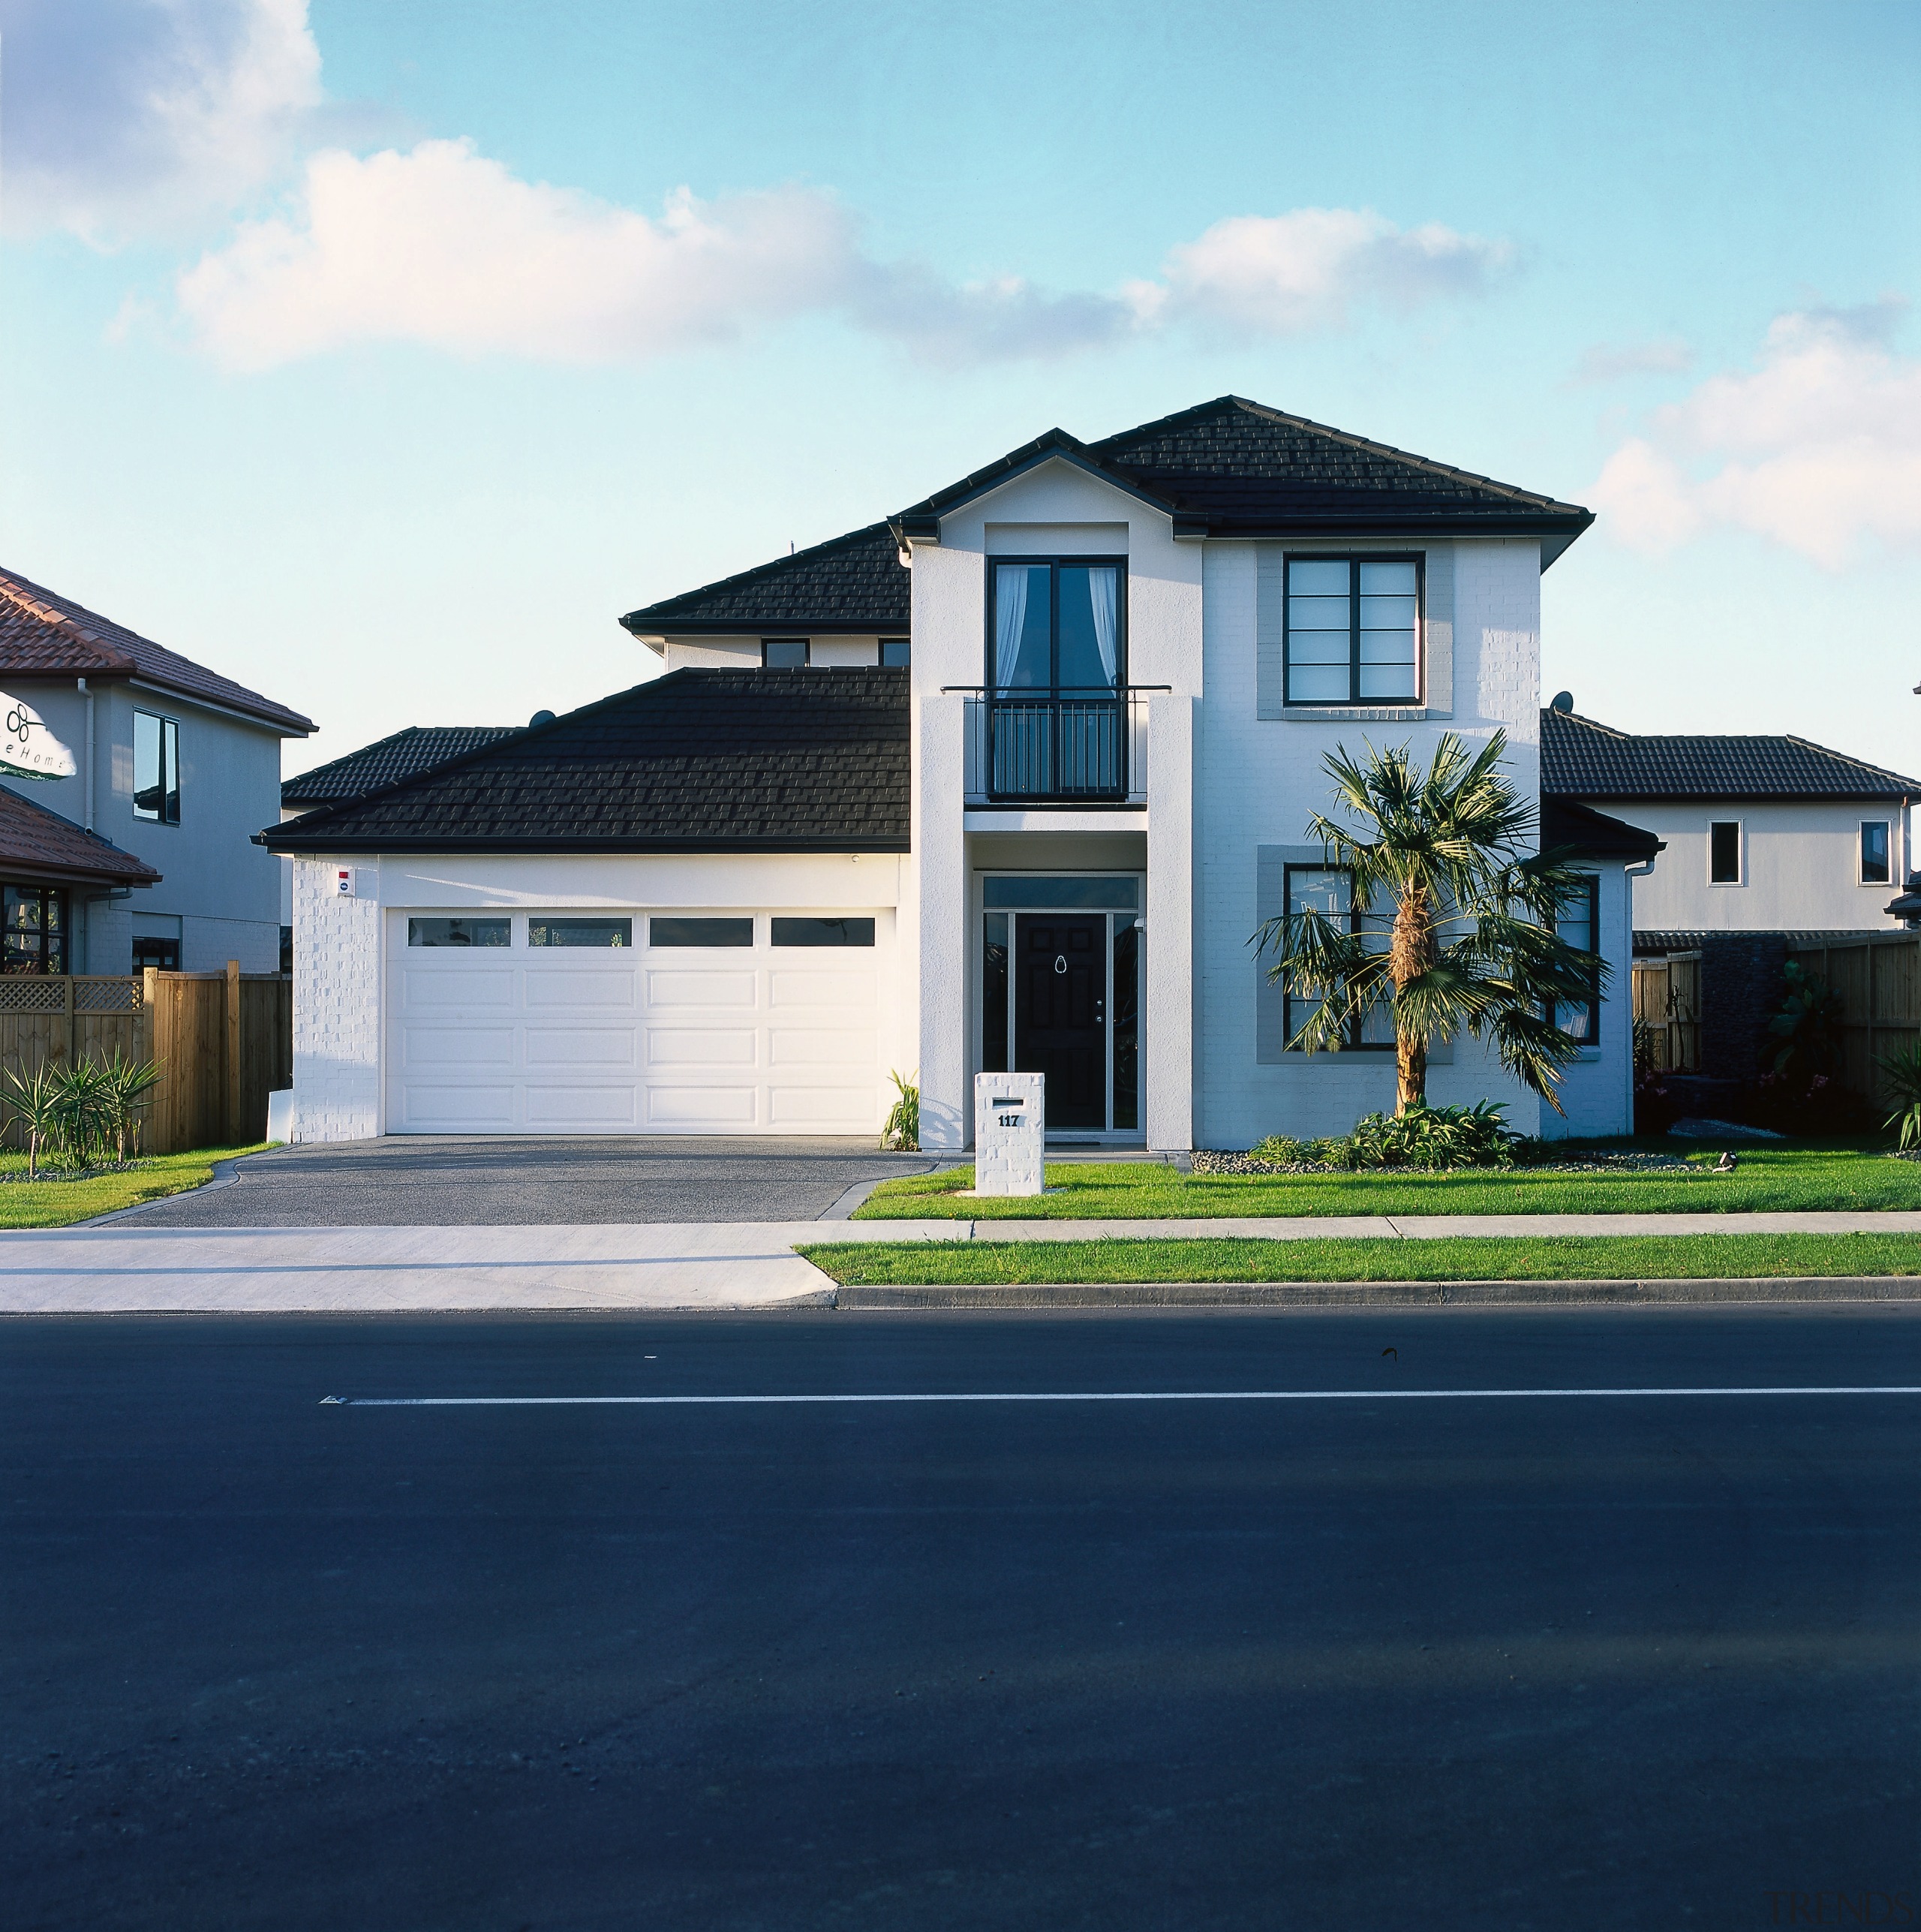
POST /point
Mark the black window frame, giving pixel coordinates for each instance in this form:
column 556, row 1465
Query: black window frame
column 1354, row 560
column 806, row 653
column 60, row 933
column 168, row 810
column 1053, row 566
column 1885, row 827
column 1354, row 1042
column 905, row 659
column 1739, row 876
column 1592, row 1038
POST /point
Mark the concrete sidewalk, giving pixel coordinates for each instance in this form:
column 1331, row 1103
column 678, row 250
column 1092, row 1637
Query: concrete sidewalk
column 127, row 1268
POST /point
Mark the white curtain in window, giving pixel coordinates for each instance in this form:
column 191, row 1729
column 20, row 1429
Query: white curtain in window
column 1104, row 594
column 1010, row 619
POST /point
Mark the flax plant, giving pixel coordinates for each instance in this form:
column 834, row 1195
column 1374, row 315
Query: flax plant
column 1454, row 927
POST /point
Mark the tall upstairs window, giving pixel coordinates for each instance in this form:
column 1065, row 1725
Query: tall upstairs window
column 156, row 769
column 1057, row 653
column 1353, row 629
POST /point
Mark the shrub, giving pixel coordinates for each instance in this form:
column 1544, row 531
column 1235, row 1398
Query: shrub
column 1902, row 1070
column 1431, row 1138
column 902, row 1130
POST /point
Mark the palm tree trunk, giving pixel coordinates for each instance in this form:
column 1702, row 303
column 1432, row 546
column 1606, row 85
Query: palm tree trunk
column 1410, row 1070
column 1412, row 954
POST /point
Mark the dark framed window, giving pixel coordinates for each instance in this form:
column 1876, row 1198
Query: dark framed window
column 896, row 652
column 823, row 932
column 1724, row 852
column 993, row 994
column 1876, row 866
column 597, row 932
column 164, row 954
column 463, row 932
column 33, row 929
column 1058, row 624
column 785, row 653
column 1351, row 630
column 700, row 932
column 156, row 768
column 1329, row 889
column 1579, row 923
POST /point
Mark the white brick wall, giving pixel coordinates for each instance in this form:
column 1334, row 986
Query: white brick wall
column 336, row 1004
column 1258, row 781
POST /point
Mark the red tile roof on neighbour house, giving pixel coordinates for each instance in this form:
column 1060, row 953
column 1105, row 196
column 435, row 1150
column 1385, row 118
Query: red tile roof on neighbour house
column 37, row 843
column 44, row 635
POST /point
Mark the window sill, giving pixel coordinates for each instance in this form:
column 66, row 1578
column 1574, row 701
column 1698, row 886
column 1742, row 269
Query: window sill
column 1365, row 714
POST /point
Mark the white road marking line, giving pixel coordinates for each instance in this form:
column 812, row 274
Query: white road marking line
column 1136, row 1395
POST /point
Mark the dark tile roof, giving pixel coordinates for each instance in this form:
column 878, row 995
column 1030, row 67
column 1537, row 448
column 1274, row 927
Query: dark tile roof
column 39, row 845
column 1233, row 467
column 854, row 586
column 1653, row 943
column 373, row 767
column 1593, row 834
column 44, row 635
column 1580, row 758
column 697, row 761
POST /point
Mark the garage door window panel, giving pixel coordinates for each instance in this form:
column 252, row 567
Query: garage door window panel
column 823, row 932
column 604, row 933
column 700, row 932
column 459, row 932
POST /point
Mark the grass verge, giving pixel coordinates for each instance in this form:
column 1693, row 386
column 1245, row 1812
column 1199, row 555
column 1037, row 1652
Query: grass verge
column 59, row 1204
column 1479, row 1258
column 1819, row 1175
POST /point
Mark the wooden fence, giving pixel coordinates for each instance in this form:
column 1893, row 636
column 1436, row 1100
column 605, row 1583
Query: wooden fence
column 1667, row 999
column 223, row 1040
column 1878, row 976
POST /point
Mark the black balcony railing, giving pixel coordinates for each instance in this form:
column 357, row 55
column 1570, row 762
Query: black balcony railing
column 1056, row 746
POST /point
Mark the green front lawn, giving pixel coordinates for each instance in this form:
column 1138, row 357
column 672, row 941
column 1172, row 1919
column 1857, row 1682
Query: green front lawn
column 1489, row 1258
column 1810, row 1174
column 58, row 1204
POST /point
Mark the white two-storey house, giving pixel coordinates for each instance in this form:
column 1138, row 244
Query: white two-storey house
column 1006, row 780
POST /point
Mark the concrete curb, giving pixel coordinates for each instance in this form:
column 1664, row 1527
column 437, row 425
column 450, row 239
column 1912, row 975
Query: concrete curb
column 1784, row 1291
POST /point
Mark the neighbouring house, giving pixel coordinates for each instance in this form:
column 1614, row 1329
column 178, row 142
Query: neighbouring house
column 373, row 767
column 168, row 769
column 1763, row 834
column 1008, row 780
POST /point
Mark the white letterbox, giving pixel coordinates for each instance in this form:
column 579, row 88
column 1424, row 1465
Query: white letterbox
column 1010, row 1134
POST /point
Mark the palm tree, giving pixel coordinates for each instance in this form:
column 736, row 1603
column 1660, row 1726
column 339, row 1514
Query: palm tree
column 1454, row 929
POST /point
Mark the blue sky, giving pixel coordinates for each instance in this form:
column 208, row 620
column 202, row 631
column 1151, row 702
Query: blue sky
column 380, row 354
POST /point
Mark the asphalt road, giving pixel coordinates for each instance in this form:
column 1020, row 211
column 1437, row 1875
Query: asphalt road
column 1548, row 1661
column 465, row 1181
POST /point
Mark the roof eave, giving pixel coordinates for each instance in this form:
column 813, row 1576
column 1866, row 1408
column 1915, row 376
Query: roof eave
column 671, row 627
column 315, row 843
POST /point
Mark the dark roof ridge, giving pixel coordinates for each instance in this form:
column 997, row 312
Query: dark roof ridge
column 1348, row 438
column 1056, row 441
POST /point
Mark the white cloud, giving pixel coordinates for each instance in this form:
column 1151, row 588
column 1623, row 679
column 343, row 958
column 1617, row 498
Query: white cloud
column 1817, row 448
column 124, row 117
column 1287, row 275
column 1606, row 362
column 442, row 247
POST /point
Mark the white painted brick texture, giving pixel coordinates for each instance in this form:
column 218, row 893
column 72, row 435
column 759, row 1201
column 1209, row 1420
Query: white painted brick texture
column 336, row 1005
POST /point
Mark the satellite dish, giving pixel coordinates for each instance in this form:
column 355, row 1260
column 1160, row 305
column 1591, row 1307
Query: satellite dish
column 1562, row 701
column 540, row 717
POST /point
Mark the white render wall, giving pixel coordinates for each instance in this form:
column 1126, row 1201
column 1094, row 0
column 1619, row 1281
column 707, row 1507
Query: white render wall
column 1259, row 781
column 1057, row 508
column 336, row 1002
column 1597, row 1092
column 1800, row 862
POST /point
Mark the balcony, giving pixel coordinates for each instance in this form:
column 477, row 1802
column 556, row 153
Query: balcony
column 1057, row 748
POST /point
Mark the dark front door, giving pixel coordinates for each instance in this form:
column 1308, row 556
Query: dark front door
column 1060, row 1021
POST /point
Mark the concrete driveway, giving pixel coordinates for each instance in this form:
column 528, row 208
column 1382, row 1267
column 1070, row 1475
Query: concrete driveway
column 457, row 1181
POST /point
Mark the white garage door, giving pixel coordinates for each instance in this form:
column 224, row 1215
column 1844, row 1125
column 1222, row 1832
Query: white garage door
column 597, row 1030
